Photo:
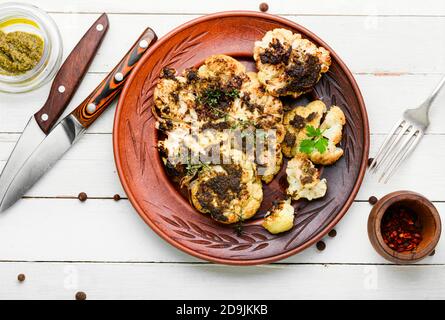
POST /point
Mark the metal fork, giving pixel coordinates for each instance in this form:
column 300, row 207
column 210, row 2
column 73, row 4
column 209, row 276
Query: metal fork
column 403, row 138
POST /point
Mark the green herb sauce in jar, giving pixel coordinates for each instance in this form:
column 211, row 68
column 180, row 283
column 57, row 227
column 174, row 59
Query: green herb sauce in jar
column 19, row 52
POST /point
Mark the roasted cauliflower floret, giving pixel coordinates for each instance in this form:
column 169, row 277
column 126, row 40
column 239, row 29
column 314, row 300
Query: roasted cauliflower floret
column 332, row 128
column 269, row 164
column 217, row 85
column 228, row 192
column 295, row 122
column 257, row 106
column 203, row 144
column 203, row 96
column 173, row 99
column 288, row 64
column 262, row 113
column 333, row 123
column 221, row 67
column 303, row 179
column 280, row 217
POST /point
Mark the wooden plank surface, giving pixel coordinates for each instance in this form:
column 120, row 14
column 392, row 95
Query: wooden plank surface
column 366, row 44
column 105, row 230
column 183, row 281
column 327, row 7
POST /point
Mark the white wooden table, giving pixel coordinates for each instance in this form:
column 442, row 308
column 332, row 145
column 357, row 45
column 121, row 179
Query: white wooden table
column 396, row 50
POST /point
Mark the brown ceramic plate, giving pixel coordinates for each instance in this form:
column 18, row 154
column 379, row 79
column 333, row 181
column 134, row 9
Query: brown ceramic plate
column 168, row 212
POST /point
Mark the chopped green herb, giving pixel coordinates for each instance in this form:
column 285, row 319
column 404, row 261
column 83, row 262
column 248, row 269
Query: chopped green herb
column 313, row 132
column 213, row 97
column 234, row 93
column 316, row 141
column 192, row 169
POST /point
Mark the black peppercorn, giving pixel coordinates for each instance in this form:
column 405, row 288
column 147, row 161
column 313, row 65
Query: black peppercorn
column 321, row 245
column 264, row 7
column 82, row 196
column 21, row 277
column 370, row 160
column 372, row 200
column 116, row 197
column 332, row 233
column 81, row 295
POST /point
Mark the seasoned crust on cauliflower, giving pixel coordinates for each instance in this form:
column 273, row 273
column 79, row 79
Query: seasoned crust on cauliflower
column 261, row 111
column 280, row 217
column 258, row 106
column 288, row 64
column 304, row 179
column 295, row 122
column 221, row 67
column 172, row 98
column 219, row 95
column 228, row 192
column 331, row 127
column 200, row 96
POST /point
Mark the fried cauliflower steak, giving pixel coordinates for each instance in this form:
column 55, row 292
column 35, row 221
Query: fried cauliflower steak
column 173, row 98
column 201, row 97
column 262, row 112
column 289, row 65
column 219, row 95
column 304, row 179
column 280, row 217
column 229, row 192
column 295, row 122
column 332, row 128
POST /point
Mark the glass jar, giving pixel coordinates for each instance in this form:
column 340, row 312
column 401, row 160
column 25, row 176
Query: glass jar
column 28, row 18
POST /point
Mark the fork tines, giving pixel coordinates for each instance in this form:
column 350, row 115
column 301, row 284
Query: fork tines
column 396, row 147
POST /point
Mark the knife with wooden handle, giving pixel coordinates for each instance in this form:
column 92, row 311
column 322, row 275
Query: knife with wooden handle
column 62, row 90
column 71, row 128
column 71, row 74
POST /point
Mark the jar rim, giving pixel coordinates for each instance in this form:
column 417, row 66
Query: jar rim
column 50, row 62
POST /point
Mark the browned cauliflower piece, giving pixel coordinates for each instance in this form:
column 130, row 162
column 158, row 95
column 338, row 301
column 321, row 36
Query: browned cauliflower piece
column 295, row 122
column 289, row 65
column 304, row 179
column 228, row 192
column 331, row 127
column 280, row 217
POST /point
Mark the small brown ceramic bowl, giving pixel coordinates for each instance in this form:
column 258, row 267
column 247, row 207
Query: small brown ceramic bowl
column 426, row 213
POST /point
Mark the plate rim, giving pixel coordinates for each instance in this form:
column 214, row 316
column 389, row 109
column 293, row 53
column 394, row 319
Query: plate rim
column 246, row 262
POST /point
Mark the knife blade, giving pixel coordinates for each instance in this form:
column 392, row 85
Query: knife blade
column 62, row 90
column 72, row 127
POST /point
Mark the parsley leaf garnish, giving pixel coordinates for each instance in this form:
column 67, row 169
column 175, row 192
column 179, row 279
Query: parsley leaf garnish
column 316, row 141
column 307, row 146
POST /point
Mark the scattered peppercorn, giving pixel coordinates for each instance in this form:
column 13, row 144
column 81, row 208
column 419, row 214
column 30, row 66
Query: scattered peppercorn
column 264, row 7
column 370, row 160
column 116, row 197
column 372, row 200
column 21, row 277
column 321, row 245
column 82, row 196
column 332, row 233
column 401, row 229
column 81, row 295
column 433, row 253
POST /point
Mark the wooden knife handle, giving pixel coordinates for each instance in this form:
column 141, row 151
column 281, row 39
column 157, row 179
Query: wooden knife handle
column 71, row 74
column 93, row 106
